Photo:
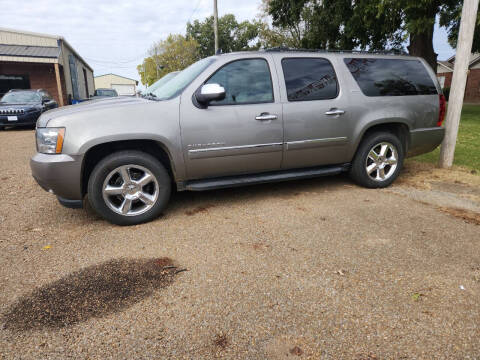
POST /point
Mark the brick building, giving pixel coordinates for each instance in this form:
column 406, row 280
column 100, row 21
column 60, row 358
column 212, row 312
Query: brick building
column 32, row 61
column 472, row 89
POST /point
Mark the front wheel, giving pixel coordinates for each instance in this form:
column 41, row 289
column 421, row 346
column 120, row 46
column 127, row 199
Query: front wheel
column 129, row 187
column 378, row 160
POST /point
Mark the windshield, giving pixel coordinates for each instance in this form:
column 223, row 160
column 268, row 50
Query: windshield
column 105, row 92
column 20, row 97
column 176, row 85
column 162, row 81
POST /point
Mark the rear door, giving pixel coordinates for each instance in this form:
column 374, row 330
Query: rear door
column 315, row 108
column 242, row 133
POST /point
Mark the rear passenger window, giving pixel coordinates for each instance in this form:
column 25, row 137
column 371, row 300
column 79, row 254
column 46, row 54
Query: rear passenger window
column 309, row 79
column 245, row 81
column 391, row 77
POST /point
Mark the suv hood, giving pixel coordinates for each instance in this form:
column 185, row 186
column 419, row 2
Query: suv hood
column 86, row 107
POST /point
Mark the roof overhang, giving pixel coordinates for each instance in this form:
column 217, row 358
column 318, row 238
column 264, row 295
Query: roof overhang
column 49, row 52
column 29, row 59
column 445, row 66
column 59, row 39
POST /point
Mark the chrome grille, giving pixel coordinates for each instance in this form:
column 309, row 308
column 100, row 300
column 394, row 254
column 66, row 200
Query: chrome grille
column 11, row 111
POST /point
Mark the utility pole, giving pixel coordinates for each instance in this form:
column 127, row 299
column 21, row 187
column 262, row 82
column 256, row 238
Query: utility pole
column 155, row 59
column 459, row 80
column 215, row 24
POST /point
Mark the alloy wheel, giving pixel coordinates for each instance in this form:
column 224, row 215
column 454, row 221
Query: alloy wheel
column 130, row 190
column 382, row 161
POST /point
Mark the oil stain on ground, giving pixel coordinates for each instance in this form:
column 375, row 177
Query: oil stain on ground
column 91, row 292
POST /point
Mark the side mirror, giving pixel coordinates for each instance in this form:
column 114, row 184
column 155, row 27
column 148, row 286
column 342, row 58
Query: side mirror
column 44, row 101
column 208, row 93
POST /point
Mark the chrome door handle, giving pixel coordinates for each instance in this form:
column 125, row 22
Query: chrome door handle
column 335, row 112
column 265, row 117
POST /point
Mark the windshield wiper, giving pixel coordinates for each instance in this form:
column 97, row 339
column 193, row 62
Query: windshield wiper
column 150, row 96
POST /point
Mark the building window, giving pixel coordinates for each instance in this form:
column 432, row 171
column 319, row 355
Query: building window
column 441, row 81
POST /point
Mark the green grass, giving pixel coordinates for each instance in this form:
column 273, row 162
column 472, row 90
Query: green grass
column 467, row 151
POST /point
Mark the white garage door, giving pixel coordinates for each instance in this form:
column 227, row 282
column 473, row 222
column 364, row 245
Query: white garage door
column 124, row 89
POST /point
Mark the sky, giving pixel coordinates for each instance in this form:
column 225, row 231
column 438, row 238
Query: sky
column 113, row 36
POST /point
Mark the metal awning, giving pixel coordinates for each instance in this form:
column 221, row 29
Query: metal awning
column 30, row 51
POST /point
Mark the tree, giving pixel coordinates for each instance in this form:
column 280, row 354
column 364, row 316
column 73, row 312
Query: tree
column 450, row 18
column 174, row 53
column 271, row 36
column 336, row 24
column 369, row 24
column 232, row 35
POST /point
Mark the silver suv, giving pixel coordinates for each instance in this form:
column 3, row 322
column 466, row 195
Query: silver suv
column 240, row 119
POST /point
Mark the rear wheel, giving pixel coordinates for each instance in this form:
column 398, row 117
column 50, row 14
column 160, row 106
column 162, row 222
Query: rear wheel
column 378, row 160
column 129, row 187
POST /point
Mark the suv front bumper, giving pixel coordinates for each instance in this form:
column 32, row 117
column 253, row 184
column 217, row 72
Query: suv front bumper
column 59, row 174
column 22, row 119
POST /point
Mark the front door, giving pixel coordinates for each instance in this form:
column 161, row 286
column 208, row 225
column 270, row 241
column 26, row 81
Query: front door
column 242, row 133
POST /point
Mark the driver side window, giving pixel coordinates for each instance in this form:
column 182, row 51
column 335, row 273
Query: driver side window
column 245, row 81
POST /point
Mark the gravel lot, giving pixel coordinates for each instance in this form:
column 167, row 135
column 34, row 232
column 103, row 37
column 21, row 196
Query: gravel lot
column 317, row 269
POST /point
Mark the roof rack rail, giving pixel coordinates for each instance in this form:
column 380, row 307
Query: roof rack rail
column 379, row 52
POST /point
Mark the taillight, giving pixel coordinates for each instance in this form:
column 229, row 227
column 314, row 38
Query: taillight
column 441, row 112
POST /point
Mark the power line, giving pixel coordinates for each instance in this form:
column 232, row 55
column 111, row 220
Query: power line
column 117, row 61
column 124, row 62
column 194, row 11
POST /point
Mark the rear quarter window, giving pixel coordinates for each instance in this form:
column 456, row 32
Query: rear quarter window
column 391, row 77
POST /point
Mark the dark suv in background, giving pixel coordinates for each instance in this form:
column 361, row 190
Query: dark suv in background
column 23, row 107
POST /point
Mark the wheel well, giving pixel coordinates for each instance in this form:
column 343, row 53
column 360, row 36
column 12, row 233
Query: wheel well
column 398, row 129
column 98, row 152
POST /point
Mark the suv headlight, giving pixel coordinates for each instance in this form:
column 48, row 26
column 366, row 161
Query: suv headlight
column 50, row 140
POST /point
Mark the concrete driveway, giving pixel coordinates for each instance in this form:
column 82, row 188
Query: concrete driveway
column 318, row 269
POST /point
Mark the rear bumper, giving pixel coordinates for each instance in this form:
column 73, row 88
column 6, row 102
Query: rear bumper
column 59, row 174
column 425, row 140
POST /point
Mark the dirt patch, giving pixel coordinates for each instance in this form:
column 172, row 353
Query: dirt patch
column 421, row 175
column 199, row 209
column 468, row 216
column 476, row 274
column 296, row 351
column 369, row 356
column 221, row 341
column 92, row 292
column 258, row 246
column 458, row 187
column 454, row 191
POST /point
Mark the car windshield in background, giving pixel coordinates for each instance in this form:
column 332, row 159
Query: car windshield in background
column 176, row 85
column 105, row 93
column 20, row 97
column 159, row 83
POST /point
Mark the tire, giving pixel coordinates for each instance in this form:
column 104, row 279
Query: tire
column 140, row 198
column 389, row 153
